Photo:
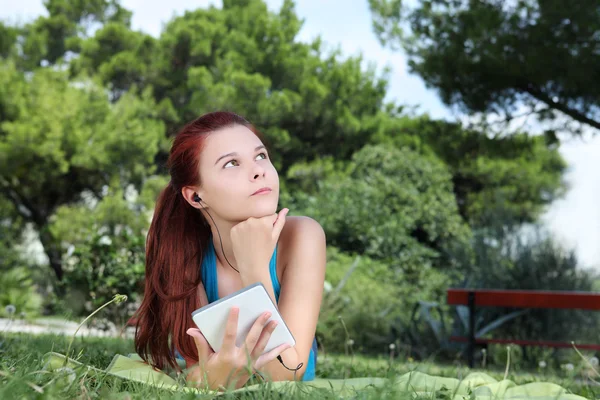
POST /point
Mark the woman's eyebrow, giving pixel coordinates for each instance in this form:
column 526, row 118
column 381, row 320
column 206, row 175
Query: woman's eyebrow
column 262, row 146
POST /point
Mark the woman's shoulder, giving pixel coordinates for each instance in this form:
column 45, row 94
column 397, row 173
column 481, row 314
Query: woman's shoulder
column 299, row 227
column 300, row 233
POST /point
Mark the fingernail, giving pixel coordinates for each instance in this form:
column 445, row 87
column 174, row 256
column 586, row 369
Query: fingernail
column 267, row 315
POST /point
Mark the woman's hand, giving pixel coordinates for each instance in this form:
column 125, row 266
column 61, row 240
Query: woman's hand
column 254, row 240
column 218, row 369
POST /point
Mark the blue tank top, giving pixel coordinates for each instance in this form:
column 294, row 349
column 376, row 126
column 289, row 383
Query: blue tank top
column 209, row 280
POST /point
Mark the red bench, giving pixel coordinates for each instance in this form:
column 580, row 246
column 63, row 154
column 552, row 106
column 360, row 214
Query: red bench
column 474, row 298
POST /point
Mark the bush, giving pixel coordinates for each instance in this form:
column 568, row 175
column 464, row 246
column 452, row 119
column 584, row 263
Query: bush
column 104, row 245
column 18, row 289
column 366, row 302
column 102, row 267
column 391, row 204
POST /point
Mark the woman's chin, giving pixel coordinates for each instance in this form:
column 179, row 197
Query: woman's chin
column 263, row 210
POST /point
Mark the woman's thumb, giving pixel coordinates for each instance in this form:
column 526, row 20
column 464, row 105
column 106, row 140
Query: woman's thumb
column 201, row 343
column 280, row 222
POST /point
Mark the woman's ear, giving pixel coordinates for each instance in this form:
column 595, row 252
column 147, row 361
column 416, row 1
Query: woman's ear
column 190, row 194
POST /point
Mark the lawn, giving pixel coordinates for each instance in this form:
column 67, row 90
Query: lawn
column 22, row 374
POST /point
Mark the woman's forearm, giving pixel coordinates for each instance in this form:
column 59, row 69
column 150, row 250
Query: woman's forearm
column 274, row 371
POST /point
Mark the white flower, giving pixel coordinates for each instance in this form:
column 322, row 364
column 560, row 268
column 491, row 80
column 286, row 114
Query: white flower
column 569, row 367
column 594, row 361
column 105, row 240
column 131, row 194
column 10, row 309
column 542, row 364
column 392, row 346
column 72, row 261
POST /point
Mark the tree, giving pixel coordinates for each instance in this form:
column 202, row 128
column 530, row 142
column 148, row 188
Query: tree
column 245, row 59
column 394, row 205
column 521, row 171
column 507, row 58
column 60, row 138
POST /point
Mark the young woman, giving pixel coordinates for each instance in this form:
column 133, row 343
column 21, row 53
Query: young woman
column 215, row 230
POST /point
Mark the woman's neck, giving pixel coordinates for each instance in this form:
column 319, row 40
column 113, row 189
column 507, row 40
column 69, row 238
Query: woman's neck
column 223, row 251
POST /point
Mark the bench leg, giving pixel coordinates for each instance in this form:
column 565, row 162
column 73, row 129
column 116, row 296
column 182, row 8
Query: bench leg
column 471, row 344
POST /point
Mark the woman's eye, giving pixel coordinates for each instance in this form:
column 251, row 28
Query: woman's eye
column 231, row 162
column 234, row 163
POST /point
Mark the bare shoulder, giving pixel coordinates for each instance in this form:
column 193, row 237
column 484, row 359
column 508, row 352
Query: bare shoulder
column 299, row 228
column 300, row 234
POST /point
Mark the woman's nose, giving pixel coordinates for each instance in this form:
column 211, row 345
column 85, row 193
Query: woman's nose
column 257, row 172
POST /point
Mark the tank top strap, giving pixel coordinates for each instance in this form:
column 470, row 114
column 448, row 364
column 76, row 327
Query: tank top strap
column 273, row 273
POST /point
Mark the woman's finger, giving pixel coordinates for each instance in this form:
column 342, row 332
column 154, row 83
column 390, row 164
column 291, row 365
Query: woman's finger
column 256, row 330
column 231, row 330
column 270, row 356
column 204, row 350
column 279, row 223
column 263, row 340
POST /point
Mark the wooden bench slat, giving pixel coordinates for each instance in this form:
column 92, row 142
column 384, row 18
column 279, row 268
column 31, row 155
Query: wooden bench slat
column 542, row 343
column 526, row 298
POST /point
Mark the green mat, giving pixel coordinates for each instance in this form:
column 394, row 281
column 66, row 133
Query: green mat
column 475, row 386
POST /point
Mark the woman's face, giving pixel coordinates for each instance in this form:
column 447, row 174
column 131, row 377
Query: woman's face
column 235, row 165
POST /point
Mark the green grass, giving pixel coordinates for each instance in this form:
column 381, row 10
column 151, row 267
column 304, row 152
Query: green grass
column 21, row 373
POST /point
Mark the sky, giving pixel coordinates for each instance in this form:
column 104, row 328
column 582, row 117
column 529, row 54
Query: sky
column 574, row 220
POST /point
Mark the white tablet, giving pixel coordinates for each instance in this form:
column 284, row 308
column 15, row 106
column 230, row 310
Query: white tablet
column 252, row 301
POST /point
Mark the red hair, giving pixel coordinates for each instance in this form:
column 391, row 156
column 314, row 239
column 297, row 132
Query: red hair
column 176, row 239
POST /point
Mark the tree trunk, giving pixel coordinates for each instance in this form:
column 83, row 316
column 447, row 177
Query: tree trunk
column 54, row 253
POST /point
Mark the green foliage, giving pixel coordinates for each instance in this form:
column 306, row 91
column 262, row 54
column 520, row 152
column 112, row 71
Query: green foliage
column 8, row 38
column 17, row 274
column 360, row 301
column 520, row 171
column 246, row 59
column 11, row 235
column 372, row 306
column 105, row 245
column 59, row 138
column 393, row 205
column 102, row 267
column 19, row 290
column 49, row 38
column 492, row 57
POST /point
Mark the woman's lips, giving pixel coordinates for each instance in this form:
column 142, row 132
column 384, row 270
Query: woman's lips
column 264, row 190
